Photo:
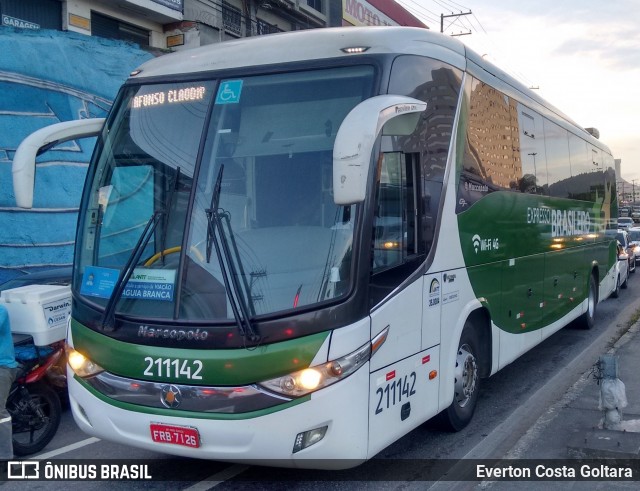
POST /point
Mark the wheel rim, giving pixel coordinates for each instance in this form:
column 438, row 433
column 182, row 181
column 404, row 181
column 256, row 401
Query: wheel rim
column 466, row 375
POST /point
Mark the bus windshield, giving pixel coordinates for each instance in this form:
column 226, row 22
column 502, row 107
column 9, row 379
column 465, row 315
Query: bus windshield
column 257, row 149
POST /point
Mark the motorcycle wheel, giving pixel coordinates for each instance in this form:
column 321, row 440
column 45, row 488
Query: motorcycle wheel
column 34, row 429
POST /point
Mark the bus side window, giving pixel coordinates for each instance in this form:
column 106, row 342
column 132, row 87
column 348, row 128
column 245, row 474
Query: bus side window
column 532, row 153
column 396, row 232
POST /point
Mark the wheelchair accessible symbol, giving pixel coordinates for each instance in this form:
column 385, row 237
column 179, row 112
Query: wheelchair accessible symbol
column 229, row 92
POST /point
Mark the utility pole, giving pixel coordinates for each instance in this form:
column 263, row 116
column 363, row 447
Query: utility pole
column 443, row 17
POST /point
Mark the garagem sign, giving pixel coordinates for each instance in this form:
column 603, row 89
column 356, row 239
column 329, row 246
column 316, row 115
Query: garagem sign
column 13, row 22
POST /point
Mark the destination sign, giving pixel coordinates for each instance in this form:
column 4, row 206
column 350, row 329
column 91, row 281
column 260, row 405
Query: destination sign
column 171, row 96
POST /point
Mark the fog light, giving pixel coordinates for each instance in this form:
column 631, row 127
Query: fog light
column 308, row 438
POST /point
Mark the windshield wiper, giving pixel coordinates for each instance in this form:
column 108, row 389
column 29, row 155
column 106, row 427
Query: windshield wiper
column 108, row 316
column 165, row 229
column 240, row 305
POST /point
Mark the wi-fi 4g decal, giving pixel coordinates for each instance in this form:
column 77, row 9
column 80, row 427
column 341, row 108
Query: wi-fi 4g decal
column 482, row 245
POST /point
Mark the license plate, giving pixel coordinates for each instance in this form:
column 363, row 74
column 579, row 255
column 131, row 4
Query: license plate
column 187, row 436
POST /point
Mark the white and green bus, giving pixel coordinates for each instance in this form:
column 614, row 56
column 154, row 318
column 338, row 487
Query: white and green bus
column 294, row 249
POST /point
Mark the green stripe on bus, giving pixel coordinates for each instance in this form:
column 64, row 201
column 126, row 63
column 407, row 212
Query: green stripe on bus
column 196, row 366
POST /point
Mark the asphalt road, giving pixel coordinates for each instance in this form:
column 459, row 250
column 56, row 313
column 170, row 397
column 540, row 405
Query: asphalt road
column 510, row 402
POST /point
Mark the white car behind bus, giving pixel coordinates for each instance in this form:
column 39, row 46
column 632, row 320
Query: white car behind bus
column 622, row 280
column 634, row 241
column 625, row 222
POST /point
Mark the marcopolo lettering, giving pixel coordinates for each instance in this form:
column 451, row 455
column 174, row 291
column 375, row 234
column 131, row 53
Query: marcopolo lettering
column 403, row 108
column 481, row 188
column 177, row 334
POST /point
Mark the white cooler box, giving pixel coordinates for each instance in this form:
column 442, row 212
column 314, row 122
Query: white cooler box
column 39, row 310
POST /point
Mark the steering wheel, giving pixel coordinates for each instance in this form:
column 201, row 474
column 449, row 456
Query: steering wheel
column 171, row 250
column 160, row 254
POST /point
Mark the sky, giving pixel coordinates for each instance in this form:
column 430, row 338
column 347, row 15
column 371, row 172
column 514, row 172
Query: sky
column 582, row 55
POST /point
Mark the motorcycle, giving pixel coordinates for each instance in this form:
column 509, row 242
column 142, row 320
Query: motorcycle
column 33, row 402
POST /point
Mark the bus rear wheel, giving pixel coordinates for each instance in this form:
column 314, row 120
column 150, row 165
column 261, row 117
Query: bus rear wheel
column 466, row 382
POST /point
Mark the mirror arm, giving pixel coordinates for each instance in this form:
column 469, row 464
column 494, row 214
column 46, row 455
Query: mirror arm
column 24, row 161
column 393, row 115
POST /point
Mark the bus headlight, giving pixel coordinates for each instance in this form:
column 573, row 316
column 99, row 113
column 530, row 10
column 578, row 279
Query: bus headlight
column 310, row 379
column 80, row 364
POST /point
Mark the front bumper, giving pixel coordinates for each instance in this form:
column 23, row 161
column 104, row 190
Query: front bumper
column 265, row 438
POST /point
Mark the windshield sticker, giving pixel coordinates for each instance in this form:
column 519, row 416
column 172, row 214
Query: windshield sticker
column 229, row 92
column 98, row 282
column 146, row 284
column 103, row 196
column 151, row 284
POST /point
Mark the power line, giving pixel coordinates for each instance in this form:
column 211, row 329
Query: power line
column 504, row 59
column 473, row 24
column 457, row 5
column 422, row 7
column 444, row 6
column 467, row 24
column 421, row 11
column 481, row 26
column 451, row 7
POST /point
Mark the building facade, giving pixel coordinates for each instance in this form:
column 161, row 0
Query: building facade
column 182, row 24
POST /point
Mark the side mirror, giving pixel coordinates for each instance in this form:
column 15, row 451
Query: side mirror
column 393, row 115
column 24, row 161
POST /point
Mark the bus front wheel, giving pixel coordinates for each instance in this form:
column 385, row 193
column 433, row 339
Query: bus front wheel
column 466, row 382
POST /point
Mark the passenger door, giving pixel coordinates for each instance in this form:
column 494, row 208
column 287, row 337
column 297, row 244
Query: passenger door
column 401, row 394
column 396, row 252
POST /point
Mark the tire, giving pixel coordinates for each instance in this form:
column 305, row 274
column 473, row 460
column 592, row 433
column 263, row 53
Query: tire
column 616, row 291
column 587, row 320
column 467, row 382
column 32, row 431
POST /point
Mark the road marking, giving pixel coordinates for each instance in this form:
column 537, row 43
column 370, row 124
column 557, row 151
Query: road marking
column 218, row 478
column 66, row 449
